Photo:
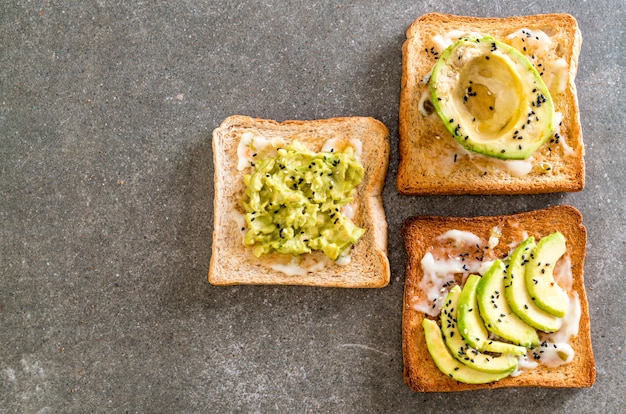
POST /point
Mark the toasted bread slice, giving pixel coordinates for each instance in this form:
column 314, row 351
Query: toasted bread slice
column 420, row 234
column 234, row 263
column 432, row 162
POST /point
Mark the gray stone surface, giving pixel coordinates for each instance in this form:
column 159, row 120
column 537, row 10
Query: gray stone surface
column 106, row 111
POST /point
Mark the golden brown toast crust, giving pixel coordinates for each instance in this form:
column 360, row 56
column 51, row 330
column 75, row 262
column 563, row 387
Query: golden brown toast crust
column 420, row 372
column 233, row 263
column 424, row 139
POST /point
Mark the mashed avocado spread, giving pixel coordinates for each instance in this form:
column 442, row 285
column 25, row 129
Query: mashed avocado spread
column 293, row 202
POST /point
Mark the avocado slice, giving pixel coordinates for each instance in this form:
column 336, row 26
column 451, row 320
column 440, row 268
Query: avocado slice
column 472, row 327
column 460, row 349
column 496, row 312
column 544, row 291
column 491, row 98
column 450, row 365
column 517, row 295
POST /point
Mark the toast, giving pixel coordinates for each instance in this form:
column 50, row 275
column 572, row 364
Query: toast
column 433, row 162
column 232, row 262
column 420, row 234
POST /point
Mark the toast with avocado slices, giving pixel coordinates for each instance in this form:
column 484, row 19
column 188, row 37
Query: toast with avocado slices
column 489, row 106
column 468, row 321
column 299, row 202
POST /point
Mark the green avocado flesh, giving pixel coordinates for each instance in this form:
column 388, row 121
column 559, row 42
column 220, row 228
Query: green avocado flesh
column 293, row 202
column 501, row 305
column 544, row 291
column 517, row 295
column 491, row 98
column 460, row 349
column 472, row 327
column 495, row 310
column 450, row 365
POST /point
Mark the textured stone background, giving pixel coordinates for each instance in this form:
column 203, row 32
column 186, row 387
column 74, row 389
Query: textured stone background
column 106, row 113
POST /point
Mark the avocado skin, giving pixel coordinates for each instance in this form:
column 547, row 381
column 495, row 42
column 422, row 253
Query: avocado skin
column 517, row 294
column 544, row 291
column 534, row 102
column 495, row 311
column 448, row 364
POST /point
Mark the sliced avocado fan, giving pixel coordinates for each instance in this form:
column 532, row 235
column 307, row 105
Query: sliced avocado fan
column 491, row 98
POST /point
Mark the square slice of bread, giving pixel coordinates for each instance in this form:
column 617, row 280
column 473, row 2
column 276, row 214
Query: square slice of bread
column 234, row 263
column 420, row 233
column 433, row 162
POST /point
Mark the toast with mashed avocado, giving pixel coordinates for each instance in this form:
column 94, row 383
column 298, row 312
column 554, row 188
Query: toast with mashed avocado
column 299, row 202
column 468, row 321
column 489, row 106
